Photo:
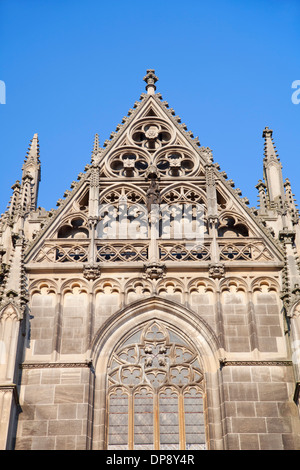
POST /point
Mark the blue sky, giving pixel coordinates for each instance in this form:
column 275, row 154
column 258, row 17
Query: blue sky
column 74, row 68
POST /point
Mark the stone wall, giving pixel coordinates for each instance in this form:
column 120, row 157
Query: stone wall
column 258, row 407
column 54, row 409
column 255, row 376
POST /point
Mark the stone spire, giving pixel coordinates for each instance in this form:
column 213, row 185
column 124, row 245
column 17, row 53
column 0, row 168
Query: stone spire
column 96, row 150
column 270, row 149
column 261, row 187
column 150, row 79
column 96, row 144
column 272, row 171
column 291, row 202
column 33, row 154
column 31, row 173
column 14, row 201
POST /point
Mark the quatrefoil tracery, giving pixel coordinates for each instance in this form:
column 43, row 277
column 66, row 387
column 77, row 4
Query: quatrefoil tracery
column 129, row 162
column 151, row 134
column 175, row 161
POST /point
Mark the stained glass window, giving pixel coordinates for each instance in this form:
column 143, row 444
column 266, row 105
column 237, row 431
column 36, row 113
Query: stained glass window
column 118, row 420
column 168, row 419
column 143, row 419
column 155, row 390
column 194, row 420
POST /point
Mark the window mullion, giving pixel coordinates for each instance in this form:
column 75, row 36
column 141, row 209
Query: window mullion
column 156, row 422
column 131, row 422
column 181, row 421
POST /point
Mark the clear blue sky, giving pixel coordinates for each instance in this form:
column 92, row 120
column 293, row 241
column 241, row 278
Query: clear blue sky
column 74, row 68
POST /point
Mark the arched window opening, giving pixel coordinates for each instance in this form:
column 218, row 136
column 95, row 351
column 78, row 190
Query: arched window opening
column 155, row 393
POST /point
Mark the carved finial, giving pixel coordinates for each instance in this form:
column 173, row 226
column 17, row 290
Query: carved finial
column 269, row 147
column 150, row 79
column 33, row 154
column 267, row 132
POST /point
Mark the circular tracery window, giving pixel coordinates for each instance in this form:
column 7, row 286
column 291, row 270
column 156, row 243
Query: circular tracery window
column 129, row 163
column 151, row 134
column 155, row 392
column 175, row 162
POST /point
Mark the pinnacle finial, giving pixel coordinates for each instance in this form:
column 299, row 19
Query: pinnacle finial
column 96, row 152
column 270, row 149
column 96, row 144
column 267, row 132
column 33, row 154
column 150, row 79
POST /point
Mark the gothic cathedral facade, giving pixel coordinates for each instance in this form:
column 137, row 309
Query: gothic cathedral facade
column 153, row 309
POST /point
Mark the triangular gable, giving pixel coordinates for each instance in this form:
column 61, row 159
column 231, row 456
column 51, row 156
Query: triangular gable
column 152, row 108
column 150, row 117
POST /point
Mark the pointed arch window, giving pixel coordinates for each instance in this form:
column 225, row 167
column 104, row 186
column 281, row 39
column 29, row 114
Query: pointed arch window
column 155, row 393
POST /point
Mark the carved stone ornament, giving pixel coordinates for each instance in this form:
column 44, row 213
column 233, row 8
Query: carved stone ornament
column 91, row 271
column 216, row 270
column 287, row 236
column 152, row 132
column 154, row 270
column 150, row 79
column 206, row 153
column 153, row 195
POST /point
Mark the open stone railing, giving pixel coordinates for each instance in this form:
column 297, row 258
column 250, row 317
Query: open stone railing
column 77, row 251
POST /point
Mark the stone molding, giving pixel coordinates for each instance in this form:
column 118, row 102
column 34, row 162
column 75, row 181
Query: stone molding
column 12, row 388
column 54, row 365
column 224, row 363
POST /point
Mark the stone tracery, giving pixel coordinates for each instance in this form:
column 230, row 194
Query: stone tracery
column 153, row 367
